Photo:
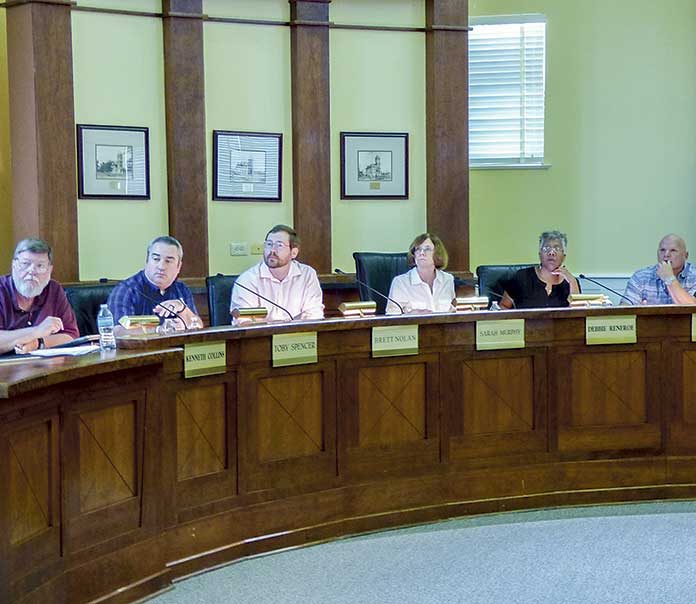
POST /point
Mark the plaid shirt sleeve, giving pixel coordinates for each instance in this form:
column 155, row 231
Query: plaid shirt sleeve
column 121, row 302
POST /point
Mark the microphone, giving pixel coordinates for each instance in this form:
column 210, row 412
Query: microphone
column 144, row 295
column 372, row 289
column 613, row 291
column 264, row 298
column 497, row 295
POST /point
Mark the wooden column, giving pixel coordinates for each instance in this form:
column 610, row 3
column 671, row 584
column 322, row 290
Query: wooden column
column 44, row 190
column 311, row 130
column 447, row 127
column 184, row 82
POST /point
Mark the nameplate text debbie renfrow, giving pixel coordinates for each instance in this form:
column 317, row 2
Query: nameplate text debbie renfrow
column 619, row 329
column 394, row 341
column 500, row 335
column 204, row 359
column 294, row 348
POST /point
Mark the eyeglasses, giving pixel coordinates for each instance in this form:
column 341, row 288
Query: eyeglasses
column 275, row 245
column 40, row 267
column 424, row 249
column 547, row 249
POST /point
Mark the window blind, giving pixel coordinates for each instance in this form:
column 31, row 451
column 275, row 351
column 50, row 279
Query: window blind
column 506, row 91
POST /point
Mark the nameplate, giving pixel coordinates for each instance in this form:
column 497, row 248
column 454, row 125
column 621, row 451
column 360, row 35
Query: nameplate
column 500, row 335
column 396, row 341
column 693, row 328
column 204, row 359
column 610, row 330
column 294, row 348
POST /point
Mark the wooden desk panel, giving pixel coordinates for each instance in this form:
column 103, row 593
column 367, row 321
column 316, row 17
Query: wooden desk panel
column 121, row 474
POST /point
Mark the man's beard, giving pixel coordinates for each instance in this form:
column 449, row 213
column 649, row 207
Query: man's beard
column 28, row 289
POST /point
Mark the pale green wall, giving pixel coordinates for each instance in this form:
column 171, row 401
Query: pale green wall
column 6, row 240
column 377, row 84
column 247, row 83
column 119, row 80
column 401, row 13
column 273, row 10
column 620, row 136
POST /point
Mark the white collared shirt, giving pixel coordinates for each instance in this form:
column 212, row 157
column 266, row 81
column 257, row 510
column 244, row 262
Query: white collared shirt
column 410, row 289
column 299, row 293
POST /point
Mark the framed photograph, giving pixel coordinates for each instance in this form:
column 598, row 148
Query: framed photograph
column 374, row 165
column 247, row 166
column 113, row 162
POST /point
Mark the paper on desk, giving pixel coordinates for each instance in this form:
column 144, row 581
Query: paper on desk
column 73, row 351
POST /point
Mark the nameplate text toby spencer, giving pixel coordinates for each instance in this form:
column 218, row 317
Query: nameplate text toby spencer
column 294, row 348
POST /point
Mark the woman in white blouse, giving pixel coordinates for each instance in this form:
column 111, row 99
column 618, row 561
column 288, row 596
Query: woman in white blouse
column 425, row 288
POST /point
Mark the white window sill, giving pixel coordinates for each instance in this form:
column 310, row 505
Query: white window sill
column 511, row 167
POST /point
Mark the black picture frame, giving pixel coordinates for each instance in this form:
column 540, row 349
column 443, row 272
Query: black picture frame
column 247, row 166
column 113, row 162
column 374, row 165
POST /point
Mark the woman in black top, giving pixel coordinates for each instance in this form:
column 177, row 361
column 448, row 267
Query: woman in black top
column 547, row 285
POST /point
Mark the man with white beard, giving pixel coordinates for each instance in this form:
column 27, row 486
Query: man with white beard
column 34, row 312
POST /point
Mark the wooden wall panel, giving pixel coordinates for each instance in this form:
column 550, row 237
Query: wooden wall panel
column 201, row 424
column 311, row 130
column 289, row 417
column 287, row 425
column 107, row 456
column 608, row 398
column 184, row 87
column 389, row 413
column 607, row 389
column 28, row 491
column 447, row 126
column 497, row 405
column 44, row 184
column 689, row 387
column 392, row 405
column 499, row 396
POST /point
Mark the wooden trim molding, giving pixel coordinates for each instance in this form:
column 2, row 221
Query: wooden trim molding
column 311, row 130
column 44, row 188
column 447, row 126
column 184, row 84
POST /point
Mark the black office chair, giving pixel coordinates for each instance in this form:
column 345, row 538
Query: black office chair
column 85, row 301
column 219, row 292
column 492, row 279
column 377, row 269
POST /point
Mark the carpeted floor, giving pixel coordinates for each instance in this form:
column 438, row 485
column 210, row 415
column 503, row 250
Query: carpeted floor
column 622, row 554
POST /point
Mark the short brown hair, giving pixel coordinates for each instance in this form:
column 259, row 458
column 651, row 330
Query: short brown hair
column 284, row 228
column 440, row 257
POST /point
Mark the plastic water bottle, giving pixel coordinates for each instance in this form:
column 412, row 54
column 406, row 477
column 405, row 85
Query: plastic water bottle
column 105, row 323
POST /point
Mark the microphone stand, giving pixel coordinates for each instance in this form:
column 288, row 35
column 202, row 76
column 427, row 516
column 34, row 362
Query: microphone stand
column 372, row 289
column 613, row 291
column 264, row 298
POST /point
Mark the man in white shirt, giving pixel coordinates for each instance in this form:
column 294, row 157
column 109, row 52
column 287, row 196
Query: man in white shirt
column 293, row 286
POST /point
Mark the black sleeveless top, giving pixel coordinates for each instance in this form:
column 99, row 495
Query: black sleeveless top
column 528, row 291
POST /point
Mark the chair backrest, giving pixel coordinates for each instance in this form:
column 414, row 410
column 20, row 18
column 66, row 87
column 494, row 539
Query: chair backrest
column 493, row 277
column 85, row 301
column 219, row 293
column 377, row 269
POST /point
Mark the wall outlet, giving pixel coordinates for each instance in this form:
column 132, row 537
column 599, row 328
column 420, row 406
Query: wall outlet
column 239, row 249
column 256, row 249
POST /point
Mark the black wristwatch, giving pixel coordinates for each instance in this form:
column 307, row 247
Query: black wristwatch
column 41, row 342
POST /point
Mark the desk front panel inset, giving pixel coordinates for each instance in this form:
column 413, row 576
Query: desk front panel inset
column 104, row 459
column 680, row 388
column 497, row 405
column 287, row 419
column 606, row 401
column 389, row 415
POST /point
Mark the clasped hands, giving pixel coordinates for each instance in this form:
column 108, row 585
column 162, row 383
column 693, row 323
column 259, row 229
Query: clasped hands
column 176, row 309
column 30, row 341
